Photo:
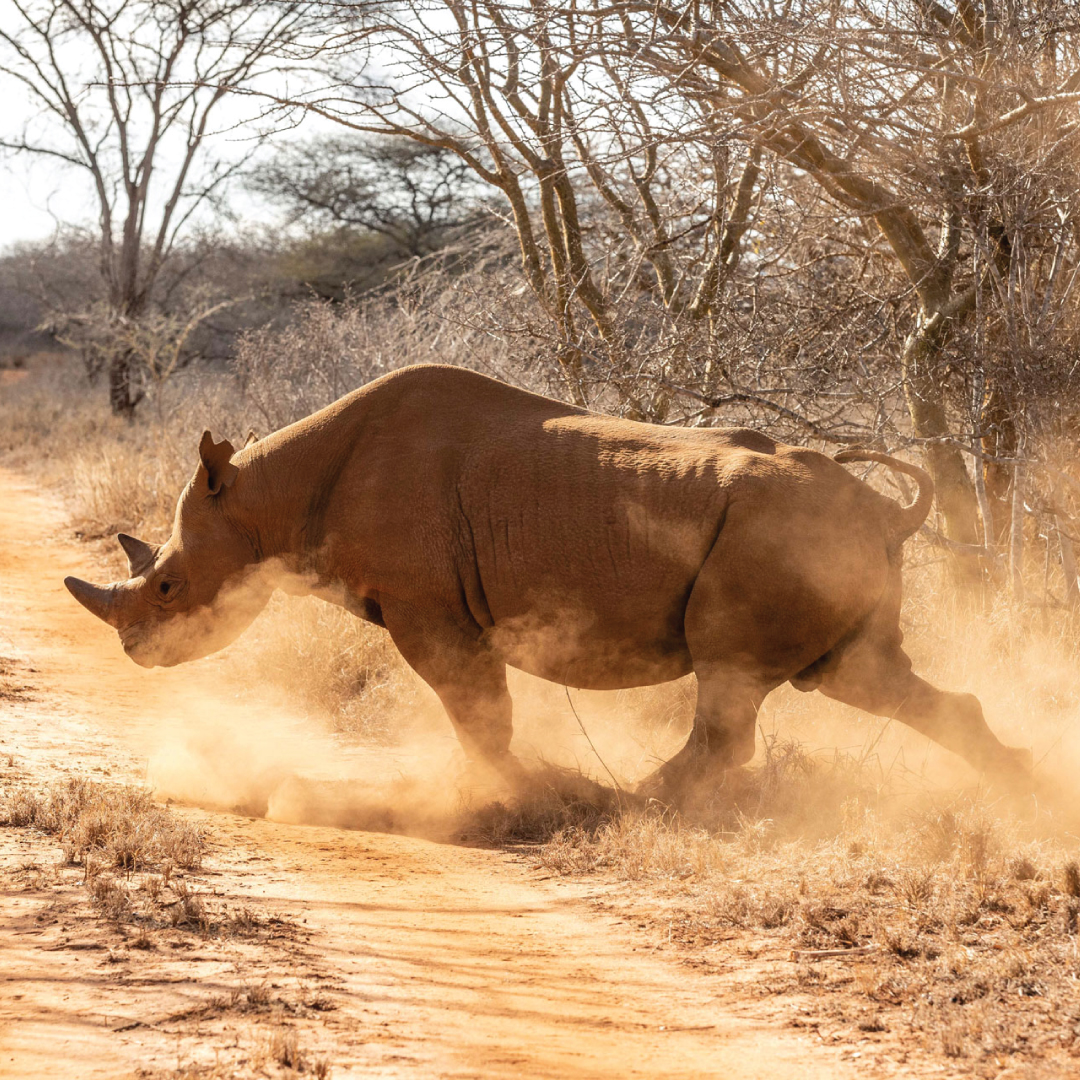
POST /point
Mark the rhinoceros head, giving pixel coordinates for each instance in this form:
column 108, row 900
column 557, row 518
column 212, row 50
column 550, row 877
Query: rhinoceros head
column 195, row 593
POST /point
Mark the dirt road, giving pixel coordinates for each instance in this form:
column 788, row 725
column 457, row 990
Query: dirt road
column 405, row 957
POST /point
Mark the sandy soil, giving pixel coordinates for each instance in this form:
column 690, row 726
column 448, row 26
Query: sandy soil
column 390, row 956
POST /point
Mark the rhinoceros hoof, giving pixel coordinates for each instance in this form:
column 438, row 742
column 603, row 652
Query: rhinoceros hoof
column 501, row 769
column 1012, row 769
column 653, row 788
column 672, row 785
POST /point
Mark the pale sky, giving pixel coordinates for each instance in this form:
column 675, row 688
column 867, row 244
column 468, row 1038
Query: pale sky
column 29, row 189
column 37, row 192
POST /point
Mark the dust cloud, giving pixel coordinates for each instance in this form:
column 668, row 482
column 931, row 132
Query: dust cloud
column 236, row 749
column 239, row 742
column 243, row 752
column 228, row 733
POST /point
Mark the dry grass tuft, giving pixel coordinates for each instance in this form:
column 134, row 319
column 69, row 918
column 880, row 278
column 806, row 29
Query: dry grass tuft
column 112, row 898
column 330, row 662
column 258, row 994
column 187, row 910
column 284, row 1048
column 281, row 1047
column 132, row 852
column 118, row 824
column 1071, row 878
column 276, row 1053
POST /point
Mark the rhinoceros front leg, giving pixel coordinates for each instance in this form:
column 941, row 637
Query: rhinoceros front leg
column 468, row 676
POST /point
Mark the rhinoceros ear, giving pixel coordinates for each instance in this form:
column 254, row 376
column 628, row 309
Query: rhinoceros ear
column 251, row 439
column 139, row 554
column 220, row 471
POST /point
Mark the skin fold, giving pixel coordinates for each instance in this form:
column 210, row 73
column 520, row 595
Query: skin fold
column 485, row 526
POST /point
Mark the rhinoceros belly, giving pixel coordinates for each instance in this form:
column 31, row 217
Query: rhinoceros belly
column 576, row 647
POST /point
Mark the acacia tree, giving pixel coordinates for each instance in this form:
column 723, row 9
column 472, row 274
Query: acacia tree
column 953, row 128
column 414, row 196
column 127, row 93
column 631, row 206
column 521, row 97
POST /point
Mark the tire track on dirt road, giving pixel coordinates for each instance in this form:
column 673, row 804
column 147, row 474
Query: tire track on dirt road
column 443, row 960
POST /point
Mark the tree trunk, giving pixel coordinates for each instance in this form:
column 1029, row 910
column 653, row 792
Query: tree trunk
column 1016, row 535
column 1001, row 441
column 925, row 398
column 1063, row 525
column 986, row 514
column 1068, row 563
column 124, row 390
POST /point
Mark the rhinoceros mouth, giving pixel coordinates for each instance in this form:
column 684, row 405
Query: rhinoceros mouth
column 138, row 648
column 135, row 650
column 152, row 648
column 129, row 636
column 148, row 656
column 142, row 659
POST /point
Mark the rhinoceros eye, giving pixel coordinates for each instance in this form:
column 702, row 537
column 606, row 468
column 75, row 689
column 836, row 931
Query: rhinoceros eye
column 168, row 589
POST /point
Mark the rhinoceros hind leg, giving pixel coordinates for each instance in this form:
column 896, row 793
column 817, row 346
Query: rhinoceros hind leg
column 879, row 679
column 739, row 654
column 723, row 735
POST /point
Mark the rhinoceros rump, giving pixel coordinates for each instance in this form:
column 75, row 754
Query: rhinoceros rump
column 485, row 526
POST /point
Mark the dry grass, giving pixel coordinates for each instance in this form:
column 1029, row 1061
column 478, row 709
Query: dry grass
column 276, row 1051
column 962, row 919
column 114, row 475
column 108, row 824
column 332, row 664
column 133, row 853
column 281, row 1047
column 556, row 802
column 130, row 849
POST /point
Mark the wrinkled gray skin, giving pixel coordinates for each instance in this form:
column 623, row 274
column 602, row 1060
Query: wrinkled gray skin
column 485, row 526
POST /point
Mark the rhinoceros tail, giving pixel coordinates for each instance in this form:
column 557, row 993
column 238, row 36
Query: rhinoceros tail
column 908, row 518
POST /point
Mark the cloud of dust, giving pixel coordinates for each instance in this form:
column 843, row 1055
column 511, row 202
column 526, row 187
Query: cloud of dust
column 1022, row 665
column 235, row 731
column 242, row 748
column 1021, row 662
column 244, row 745
column 229, row 733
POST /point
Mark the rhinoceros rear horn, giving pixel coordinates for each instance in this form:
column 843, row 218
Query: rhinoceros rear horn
column 97, row 599
column 139, row 554
column 220, row 471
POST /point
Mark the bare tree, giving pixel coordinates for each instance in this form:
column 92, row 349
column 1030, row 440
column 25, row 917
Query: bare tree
column 948, row 127
column 126, row 91
column 603, row 212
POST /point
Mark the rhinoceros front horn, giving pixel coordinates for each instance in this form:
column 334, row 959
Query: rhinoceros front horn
column 139, row 554
column 97, row 599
